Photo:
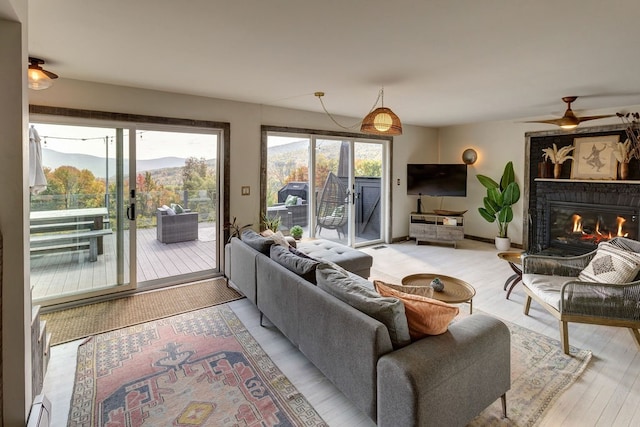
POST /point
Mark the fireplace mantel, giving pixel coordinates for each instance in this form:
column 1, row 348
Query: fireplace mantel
column 592, row 181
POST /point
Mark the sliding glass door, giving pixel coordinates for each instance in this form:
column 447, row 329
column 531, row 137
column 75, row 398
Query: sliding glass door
column 78, row 230
column 333, row 187
column 176, row 204
column 368, row 184
column 121, row 207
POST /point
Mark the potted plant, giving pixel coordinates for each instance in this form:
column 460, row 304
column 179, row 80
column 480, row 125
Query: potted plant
column 271, row 223
column 235, row 230
column 622, row 151
column 557, row 157
column 296, row 232
column 497, row 204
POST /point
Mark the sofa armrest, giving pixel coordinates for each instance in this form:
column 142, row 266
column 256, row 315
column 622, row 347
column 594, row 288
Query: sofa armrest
column 556, row 266
column 460, row 373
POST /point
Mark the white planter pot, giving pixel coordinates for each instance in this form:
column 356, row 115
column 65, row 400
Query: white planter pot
column 503, row 243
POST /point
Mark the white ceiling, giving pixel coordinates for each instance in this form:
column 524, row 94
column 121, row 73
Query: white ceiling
column 441, row 62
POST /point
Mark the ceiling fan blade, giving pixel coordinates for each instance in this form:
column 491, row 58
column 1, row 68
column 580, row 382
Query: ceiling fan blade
column 585, row 118
column 556, row 122
column 570, row 120
column 50, row 74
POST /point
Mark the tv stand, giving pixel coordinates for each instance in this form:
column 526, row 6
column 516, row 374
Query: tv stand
column 432, row 227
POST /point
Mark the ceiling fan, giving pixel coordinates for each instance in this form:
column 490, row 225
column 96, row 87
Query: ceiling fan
column 570, row 120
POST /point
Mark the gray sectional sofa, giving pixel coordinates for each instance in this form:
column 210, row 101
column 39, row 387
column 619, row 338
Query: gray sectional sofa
column 443, row 380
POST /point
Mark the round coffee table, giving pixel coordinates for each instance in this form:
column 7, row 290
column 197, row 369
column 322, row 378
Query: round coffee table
column 455, row 290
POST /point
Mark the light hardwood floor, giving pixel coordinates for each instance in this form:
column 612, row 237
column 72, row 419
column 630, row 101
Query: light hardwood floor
column 607, row 393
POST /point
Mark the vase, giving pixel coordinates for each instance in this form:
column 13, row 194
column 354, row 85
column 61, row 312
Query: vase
column 624, row 170
column 503, row 243
column 557, row 170
column 544, row 170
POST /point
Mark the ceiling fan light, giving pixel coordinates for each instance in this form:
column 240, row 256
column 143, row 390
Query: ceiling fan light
column 38, row 80
column 569, row 121
column 381, row 121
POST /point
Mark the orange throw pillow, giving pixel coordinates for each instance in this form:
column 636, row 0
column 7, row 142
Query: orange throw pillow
column 425, row 291
column 425, row 316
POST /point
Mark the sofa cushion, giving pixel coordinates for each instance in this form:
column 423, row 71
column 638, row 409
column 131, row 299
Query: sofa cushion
column 546, row 287
column 256, row 241
column 277, row 237
column 348, row 258
column 299, row 253
column 291, row 200
column 166, row 210
column 611, row 264
column 425, row 291
column 425, row 316
column 357, row 292
column 177, row 208
column 303, row 267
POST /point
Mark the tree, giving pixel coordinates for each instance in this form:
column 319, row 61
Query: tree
column 146, row 186
column 371, row 168
column 194, row 173
column 77, row 188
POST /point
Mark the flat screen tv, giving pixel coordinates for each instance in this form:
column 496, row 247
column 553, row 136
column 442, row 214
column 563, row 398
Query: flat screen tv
column 437, row 180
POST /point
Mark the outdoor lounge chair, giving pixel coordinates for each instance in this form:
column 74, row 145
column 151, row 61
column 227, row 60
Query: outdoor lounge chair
column 333, row 205
column 175, row 228
column 555, row 284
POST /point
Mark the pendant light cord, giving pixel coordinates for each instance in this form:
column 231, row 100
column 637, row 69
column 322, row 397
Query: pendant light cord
column 355, row 125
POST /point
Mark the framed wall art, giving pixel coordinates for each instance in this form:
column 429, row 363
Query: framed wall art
column 593, row 157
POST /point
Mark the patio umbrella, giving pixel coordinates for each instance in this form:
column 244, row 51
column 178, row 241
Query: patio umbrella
column 343, row 160
column 37, row 180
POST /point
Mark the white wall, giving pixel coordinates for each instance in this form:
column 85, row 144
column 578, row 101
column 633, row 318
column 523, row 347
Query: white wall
column 496, row 144
column 15, row 309
column 417, row 144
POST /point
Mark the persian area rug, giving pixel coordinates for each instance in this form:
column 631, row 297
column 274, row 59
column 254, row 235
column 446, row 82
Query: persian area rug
column 540, row 372
column 80, row 322
column 201, row 368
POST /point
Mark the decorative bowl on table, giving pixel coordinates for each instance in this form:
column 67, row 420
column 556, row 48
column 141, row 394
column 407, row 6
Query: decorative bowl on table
column 437, row 284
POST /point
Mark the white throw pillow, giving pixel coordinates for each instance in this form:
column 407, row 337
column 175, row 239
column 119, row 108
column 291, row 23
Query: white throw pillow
column 611, row 264
column 277, row 237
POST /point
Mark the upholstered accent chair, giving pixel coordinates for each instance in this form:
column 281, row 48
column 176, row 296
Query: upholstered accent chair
column 601, row 287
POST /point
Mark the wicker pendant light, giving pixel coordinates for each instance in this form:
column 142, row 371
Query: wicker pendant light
column 380, row 121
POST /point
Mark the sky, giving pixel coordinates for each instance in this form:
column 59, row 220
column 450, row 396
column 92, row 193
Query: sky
column 151, row 144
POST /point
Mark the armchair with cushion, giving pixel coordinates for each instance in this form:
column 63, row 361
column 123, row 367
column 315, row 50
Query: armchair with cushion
column 601, row 287
column 297, row 211
column 176, row 227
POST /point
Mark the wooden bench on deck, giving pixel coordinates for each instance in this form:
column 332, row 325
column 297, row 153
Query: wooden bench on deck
column 73, row 241
column 69, row 230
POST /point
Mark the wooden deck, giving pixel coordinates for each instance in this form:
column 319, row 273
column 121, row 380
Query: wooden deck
column 61, row 274
column 69, row 273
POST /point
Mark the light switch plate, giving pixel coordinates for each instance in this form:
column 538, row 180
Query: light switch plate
column 246, row 190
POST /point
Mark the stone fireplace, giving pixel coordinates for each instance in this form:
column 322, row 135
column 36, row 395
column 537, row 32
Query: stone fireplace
column 570, row 217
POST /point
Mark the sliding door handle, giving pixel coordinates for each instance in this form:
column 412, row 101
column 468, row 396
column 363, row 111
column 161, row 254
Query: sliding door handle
column 131, row 212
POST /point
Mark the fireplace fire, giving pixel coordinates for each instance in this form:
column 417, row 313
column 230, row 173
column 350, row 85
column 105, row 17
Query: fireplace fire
column 579, row 227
